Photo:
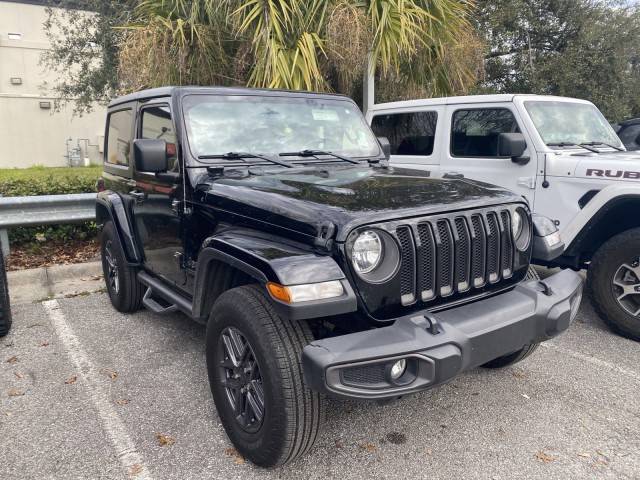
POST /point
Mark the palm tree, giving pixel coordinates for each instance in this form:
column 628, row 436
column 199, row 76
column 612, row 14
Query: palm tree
column 421, row 47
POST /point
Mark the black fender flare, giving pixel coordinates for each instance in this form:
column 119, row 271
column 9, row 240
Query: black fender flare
column 595, row 231
column 109, row 206
column 267, row 258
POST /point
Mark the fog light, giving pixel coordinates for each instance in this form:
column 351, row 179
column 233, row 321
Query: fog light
column 398, row 369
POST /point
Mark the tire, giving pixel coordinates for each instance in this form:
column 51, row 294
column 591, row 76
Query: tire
column 525, row 351
column 123, row 287
column 293, row 414
column 512, row 358
column 5, row 305
column 615, row 261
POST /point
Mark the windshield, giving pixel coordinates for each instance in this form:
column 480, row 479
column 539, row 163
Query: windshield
column 566, row 122
column 272, row 125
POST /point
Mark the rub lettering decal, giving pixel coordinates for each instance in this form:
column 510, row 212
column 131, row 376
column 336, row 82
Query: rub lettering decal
column 595, row 172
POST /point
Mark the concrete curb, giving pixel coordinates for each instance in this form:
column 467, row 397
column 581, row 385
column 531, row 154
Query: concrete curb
column 37, row 284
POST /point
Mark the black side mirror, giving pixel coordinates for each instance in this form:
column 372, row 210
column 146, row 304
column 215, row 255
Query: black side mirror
column 150, row 155
column 512, row 145
column 386, row 146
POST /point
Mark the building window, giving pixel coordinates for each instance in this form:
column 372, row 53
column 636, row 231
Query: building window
column 14, row 36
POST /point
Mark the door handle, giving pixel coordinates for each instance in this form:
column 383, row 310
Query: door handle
column 137, row 195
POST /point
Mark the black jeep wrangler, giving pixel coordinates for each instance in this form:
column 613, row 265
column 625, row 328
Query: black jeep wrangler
column 273, row 218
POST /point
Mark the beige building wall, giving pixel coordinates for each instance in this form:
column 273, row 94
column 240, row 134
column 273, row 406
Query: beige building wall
column 31, row 133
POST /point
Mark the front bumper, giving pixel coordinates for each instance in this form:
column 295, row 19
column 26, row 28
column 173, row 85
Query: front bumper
column 439, row 346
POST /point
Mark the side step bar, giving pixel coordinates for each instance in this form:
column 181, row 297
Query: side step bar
column 159, row 289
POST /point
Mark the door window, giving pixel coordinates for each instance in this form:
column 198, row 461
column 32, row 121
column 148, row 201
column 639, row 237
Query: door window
column 119, row 137
column 474, row 132
column 156, row 124
column 408, row 133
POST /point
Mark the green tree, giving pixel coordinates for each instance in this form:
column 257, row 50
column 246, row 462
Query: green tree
column 420, row 47
column 581, row 48
column 84, row 49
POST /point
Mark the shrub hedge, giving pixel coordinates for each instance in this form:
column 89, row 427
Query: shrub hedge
column 49, row 181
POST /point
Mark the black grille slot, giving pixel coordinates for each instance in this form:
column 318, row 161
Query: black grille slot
column 462, row 254
column 445, row 258
column 507, row 245
column 426, row 262
column 478, row 251
column 493, row 248
column 364, row 375
column 407, row 265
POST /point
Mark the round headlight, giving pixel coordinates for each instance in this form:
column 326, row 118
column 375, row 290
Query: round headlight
column 516, row 224
column 521, row 229
column 367, row 252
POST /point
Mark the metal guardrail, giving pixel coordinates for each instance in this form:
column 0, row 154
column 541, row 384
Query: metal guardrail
column 44, row 210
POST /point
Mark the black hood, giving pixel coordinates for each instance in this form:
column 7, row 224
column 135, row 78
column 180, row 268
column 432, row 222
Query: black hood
column 308, row 199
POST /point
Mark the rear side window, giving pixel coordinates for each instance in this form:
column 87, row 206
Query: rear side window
column 119, row 137
column 156, row 124
column 475, row 132
column 408, row 133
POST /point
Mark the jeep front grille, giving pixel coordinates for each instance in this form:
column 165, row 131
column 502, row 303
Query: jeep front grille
column 444, row 256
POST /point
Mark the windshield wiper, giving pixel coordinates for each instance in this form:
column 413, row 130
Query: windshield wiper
column 314, row 153
column 242, row 156
column 602, row 143
column 570, row 144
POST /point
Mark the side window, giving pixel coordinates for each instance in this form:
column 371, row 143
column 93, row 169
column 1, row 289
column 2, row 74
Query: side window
column 119, row 137
column 156, row 123
column 408, row 133
column 474, row 133
column 630, row 136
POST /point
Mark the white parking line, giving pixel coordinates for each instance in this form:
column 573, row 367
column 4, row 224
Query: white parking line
column 125, row 449
column 592, row 360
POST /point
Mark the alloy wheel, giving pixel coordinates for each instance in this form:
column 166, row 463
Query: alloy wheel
column 626, row 287
column 113, row 277
column 241, row 379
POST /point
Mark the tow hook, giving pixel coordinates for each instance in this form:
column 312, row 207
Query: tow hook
column 546, row 289
column 434, row 326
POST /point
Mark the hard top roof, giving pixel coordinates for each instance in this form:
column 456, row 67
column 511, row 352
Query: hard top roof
column 173, row 90
column 468, row 99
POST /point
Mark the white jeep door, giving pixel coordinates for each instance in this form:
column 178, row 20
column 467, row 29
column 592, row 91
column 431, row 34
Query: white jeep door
column 472, row 134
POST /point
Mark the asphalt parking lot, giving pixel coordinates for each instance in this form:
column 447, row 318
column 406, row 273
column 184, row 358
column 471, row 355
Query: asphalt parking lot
column 86, row 392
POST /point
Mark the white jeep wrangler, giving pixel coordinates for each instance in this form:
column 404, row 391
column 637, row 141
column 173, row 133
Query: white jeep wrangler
column 559, row 153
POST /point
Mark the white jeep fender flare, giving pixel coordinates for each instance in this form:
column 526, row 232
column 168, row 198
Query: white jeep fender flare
column 602, row 198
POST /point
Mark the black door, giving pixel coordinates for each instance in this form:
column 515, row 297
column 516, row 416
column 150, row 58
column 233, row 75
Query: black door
column 155, row 201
